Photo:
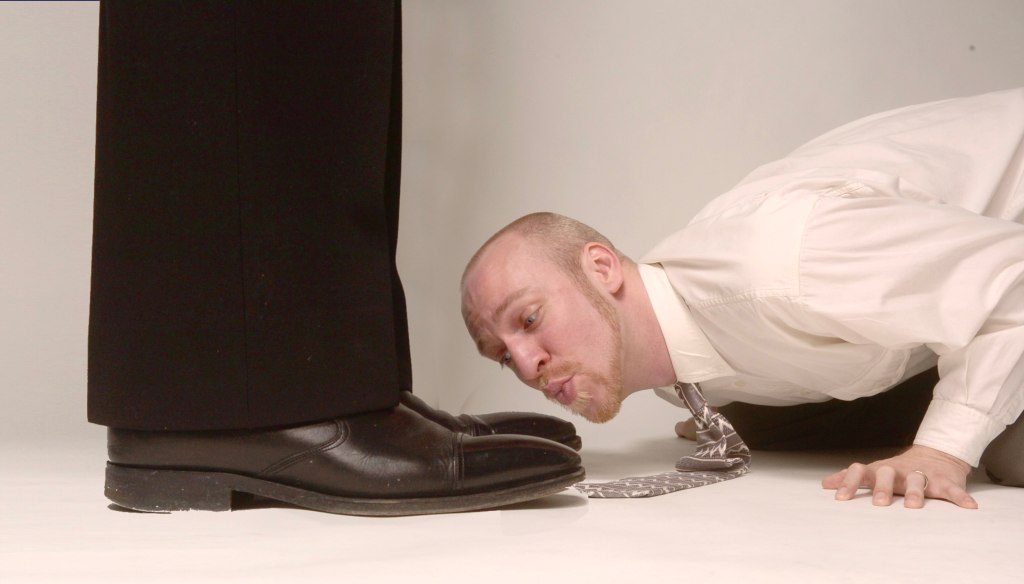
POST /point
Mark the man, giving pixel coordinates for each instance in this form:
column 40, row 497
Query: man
column 247, row 328
column 849, row 268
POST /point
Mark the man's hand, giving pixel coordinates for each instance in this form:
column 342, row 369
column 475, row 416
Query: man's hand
column 687, row 429
column 918, row 473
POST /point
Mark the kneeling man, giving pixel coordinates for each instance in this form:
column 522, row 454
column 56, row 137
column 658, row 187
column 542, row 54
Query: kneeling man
column 872, row 281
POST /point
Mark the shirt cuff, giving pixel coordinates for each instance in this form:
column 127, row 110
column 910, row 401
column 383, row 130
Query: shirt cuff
column 957, row 430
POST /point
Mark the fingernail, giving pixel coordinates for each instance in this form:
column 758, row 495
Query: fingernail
column 881, row 498
column 842, row 493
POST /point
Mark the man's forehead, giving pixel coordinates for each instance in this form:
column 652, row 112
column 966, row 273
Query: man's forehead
column 505, row 247
column 504, row 273
column 490, row 304
column 496, row 267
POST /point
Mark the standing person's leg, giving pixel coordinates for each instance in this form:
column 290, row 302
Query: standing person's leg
column 241, row 242
column 246, row 329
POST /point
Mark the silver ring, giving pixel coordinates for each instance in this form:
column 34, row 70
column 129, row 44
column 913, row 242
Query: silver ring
column 925, row 479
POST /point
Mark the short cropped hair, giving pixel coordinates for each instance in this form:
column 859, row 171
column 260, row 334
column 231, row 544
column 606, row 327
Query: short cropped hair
column 560, row 238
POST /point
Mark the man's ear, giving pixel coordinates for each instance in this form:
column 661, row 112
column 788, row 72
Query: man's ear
column 602, row 265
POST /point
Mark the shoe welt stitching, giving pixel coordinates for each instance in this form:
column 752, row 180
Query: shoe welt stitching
column 340, row 435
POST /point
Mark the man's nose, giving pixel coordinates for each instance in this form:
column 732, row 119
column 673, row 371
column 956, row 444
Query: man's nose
column 529, row 359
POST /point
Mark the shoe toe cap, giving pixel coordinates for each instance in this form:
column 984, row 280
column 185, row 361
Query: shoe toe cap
column 513, row 461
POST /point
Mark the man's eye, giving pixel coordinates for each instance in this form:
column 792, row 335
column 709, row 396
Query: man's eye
column 530, row 320
column 504, row 359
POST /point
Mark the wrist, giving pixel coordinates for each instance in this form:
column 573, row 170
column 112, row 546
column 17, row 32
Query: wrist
column 938, row 455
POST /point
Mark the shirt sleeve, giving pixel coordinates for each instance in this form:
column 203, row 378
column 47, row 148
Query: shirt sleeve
column 902, row 273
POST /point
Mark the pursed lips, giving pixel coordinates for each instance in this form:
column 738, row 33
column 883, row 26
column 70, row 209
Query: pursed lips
column 556, row 390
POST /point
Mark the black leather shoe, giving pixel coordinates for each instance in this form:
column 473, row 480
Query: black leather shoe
column 525, row 424
column 393, row 462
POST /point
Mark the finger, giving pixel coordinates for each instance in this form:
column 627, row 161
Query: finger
column 687, row 429
column 955, row 495
column 833, row 480
column 881, row 493
column 913, row 491
column 855, row 477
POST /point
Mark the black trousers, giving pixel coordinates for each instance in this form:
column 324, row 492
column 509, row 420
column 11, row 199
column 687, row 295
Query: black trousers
column 890, row 418
column 246, row 214
column 887, row 419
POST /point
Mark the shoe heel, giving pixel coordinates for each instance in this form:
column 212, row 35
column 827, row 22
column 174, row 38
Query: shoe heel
column 157, row 491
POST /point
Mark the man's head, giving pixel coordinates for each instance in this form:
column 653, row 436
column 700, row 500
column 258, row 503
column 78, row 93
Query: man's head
column 540, row 297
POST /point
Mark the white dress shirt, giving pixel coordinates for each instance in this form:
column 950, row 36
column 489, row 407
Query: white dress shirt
column 859, row 260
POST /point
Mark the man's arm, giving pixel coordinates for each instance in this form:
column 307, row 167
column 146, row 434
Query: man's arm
column 900, row 274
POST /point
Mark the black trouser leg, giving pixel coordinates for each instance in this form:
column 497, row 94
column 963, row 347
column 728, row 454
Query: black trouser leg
column 246, row 214
column 887, row 419
column 1004, row 458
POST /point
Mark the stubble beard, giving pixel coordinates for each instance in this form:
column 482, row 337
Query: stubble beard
column 609, row 407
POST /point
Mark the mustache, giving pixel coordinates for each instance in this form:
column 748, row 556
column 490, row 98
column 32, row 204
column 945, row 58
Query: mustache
column 563, row 370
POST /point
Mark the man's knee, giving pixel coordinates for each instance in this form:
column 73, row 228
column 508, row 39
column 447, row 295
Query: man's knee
column 1004, row 458
column 1007, row 475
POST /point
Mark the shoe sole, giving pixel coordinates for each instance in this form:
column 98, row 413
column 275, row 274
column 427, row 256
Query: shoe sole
column 163, row 491
column 576, row 443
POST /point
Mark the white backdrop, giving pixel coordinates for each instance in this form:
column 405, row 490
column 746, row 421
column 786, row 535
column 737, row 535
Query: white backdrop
column 627, row 114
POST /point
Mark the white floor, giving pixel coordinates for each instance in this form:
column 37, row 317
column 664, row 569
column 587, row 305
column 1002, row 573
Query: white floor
column 773, row 525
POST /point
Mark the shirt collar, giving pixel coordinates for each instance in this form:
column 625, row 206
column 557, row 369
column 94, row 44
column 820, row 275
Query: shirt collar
column 693, row 358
